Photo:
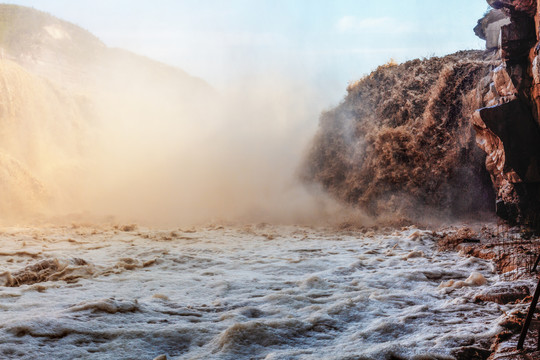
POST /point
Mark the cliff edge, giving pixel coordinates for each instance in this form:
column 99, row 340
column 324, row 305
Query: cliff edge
column 507, row 124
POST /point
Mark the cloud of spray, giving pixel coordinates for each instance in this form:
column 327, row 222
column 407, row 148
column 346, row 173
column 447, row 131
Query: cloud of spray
column 401, row 144
column 163, row 148
column 143, row 142
column 90, row 130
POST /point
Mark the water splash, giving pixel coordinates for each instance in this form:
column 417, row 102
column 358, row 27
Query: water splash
column 402, row 144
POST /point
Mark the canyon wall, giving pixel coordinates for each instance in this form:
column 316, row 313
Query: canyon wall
column 507, row 124
column 76, row 114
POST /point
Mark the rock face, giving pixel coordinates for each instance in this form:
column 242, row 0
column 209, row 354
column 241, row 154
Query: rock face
column 489, row 27
column 507, row 127
column 503, row 295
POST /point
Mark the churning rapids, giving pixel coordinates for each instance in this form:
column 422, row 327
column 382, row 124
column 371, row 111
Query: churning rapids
column 254, row 292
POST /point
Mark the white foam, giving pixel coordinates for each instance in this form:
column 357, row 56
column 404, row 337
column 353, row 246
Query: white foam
column 232, row 294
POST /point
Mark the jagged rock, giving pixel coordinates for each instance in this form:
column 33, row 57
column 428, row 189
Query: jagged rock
column 489, row 27
column 507, row 128
column 501, row 88
column 472, row 353
column 503, row 82
column 510, row 136
column 519, row 77
column 512, row 323
column 515, row 6
column 535, row 88
column 517, row 38
column 514, row 125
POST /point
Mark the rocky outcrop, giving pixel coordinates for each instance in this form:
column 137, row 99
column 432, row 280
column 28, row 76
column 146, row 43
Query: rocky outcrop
column 526, row 7
column 507, row 127
column 502, row 294
column 489, row 27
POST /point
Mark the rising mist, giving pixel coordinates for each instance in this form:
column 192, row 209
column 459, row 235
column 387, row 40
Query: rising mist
column 94, row 132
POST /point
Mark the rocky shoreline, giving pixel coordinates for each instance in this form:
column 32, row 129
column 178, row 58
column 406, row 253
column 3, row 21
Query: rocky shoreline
column 510, row 251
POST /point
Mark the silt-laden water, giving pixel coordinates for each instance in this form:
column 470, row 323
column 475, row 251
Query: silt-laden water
column 254, row 292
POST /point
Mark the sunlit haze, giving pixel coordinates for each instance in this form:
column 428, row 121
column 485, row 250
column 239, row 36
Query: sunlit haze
column 322, row 43
column 268, row 179
column 218, row 133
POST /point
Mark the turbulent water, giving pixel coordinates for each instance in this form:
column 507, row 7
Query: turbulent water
column 237, row 293
column 402, row 141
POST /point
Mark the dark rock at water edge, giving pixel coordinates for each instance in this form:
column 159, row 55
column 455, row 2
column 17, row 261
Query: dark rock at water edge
column 472, row 353
column 503, row 295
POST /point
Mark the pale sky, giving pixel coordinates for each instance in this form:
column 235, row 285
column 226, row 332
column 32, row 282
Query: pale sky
column 323, row 43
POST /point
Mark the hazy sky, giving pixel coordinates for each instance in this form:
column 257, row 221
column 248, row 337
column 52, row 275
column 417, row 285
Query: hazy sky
column 324, row 43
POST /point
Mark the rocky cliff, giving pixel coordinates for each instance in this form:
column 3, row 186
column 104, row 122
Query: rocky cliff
column 507, row 124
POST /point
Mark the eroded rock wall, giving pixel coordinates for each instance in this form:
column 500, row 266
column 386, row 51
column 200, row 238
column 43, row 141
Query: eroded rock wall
column 507, row 126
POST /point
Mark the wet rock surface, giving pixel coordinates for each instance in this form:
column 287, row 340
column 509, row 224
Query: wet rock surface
column 508, row 249
column 503, row 295
column 472, row 353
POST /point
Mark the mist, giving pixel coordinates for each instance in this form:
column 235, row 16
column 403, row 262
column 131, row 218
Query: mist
column 230, row 155
column 92, row 132
column 122, row 137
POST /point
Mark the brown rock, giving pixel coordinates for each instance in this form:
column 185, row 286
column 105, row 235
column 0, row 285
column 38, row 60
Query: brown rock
column 513, row 124
column 517, row 38
column 503, row 295
column 520, row 6
column 512, row 323
column 503, row 82
column 507, row 128
column 503, row 336
column 472, row 353
column 535, row 89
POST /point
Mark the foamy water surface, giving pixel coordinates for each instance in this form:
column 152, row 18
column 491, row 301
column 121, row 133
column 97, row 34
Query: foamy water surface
column 254, row 292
